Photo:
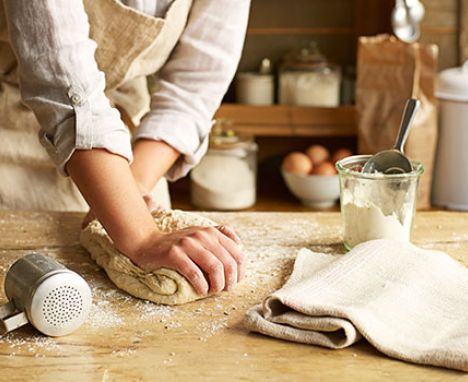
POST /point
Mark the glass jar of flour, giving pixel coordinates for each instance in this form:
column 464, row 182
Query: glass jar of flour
column 225, row 179
column 306, row 78
column 376, row 206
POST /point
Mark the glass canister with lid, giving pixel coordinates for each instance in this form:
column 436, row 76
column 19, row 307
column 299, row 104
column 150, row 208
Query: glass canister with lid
column 225, row 179
column 307, row 78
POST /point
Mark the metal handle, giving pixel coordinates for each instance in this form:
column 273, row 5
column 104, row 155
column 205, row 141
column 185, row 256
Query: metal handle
column 11, row 318
column 409, row 113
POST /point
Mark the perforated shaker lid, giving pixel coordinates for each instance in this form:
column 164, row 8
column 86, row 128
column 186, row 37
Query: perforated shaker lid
column 453, row 84
column 60, row 304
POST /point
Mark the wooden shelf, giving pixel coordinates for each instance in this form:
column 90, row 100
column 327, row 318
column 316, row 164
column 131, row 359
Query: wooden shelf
column 299, row 31
column 283, row 121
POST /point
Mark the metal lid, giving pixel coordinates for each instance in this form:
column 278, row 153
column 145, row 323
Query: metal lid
column 308, row 58
column 60, row 304
column 453, row 84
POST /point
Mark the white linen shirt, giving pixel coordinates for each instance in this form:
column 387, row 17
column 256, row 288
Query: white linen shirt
column 61, row 83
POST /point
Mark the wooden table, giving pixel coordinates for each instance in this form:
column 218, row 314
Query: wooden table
column 127, row 339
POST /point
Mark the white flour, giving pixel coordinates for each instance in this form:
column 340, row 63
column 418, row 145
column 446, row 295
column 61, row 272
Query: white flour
column 368, row 222
column 376, row 210
column 309, row 89
column 268, row 266
column 223, row 182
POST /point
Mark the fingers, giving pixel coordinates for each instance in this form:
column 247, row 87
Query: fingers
column 229, row 267
column 209, row 258
column 187, row 268
column 229, row 232
column 226, row 250
column 235, row 252
column 207, row 261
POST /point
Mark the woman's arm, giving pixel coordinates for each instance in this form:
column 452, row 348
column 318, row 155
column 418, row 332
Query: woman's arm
column 60, row 80
column 148, row 153
column 191, row 86
column 106, row 182
column 61, row 83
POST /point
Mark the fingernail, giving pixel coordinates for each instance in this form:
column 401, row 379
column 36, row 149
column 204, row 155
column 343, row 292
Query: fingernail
column 236, row 237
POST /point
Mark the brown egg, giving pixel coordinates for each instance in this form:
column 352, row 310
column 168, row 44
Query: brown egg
column 325, row 168
column 340, row 154
column 297, row 163
column 317, row 154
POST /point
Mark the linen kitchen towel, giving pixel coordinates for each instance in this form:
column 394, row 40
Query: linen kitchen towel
column 409, row 303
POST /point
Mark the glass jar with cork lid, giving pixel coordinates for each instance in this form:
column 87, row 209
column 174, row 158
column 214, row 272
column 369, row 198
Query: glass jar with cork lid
column 225, row 179
column 307, row 78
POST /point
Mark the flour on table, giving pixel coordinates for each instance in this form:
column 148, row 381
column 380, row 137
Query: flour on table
column 163, row 286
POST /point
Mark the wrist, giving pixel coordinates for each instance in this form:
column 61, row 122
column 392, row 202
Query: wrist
column 136, row 249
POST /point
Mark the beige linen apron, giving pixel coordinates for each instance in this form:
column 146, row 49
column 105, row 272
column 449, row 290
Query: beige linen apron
column 130, row 46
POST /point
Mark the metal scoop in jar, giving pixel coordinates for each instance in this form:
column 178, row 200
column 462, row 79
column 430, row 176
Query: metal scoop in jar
column 393, row 161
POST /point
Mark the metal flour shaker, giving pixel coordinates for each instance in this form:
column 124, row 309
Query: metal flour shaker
column 54, row 299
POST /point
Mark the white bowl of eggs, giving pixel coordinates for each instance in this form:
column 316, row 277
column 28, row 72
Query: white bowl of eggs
column 312, row 176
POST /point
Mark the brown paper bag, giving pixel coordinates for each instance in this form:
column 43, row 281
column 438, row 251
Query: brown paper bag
column 390, row 72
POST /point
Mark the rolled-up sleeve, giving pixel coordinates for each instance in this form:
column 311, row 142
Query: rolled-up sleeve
column 194, row 80
column 60, row 81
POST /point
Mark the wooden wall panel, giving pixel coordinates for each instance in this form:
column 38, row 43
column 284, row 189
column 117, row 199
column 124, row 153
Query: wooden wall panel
column 441, row 13
column 441, row 26
column 338, row 48
column 301, row 13
column 372, row 17
column 463, row 40
column 279, row 26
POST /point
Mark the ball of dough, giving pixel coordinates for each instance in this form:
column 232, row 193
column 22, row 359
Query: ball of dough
column 325, row 168
column 163, row 285
column 340, row 154
column 297, row 163
column 317, row 154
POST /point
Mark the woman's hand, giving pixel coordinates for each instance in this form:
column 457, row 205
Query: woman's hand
column 210, row 258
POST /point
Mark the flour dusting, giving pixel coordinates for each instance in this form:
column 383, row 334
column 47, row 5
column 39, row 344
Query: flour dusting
column 268, row 266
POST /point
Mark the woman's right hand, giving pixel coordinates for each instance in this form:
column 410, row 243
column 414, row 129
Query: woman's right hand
column 210, row 258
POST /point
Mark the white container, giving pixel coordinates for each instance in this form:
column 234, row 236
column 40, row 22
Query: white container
column 451, row 168
column 255, row 89
column 306, row 78
column 225, row 178
column 317, row 191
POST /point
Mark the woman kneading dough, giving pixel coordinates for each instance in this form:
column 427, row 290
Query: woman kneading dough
column 67, row 67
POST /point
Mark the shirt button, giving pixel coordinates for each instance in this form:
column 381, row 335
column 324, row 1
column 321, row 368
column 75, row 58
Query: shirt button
column 76, row 99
